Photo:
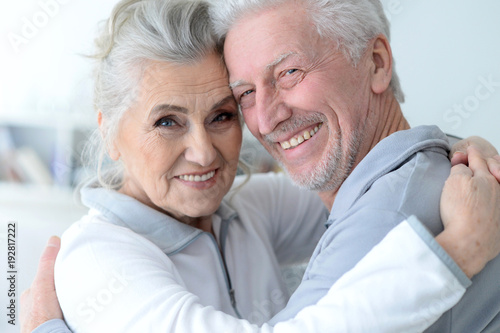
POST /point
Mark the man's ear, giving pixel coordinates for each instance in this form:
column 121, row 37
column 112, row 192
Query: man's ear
column 113, row 151
column 382, row 61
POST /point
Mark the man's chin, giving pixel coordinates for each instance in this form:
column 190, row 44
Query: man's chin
column 307, row 181
column 320, row 177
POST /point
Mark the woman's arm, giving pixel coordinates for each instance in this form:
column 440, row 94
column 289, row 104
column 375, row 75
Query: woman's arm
column 370, row 291
column 458, row 153
column 354, row 295
column 39, row 303
column 470, row 212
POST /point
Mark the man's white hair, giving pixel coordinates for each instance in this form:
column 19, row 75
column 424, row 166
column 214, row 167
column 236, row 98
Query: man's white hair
column 350, row 23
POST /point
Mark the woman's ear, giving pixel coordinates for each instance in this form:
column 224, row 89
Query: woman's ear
column 113, row 151
column 99, row 119
column 382, row 60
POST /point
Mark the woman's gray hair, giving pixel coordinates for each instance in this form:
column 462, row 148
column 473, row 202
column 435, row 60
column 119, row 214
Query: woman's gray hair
column 351, row 23
column 138, row 32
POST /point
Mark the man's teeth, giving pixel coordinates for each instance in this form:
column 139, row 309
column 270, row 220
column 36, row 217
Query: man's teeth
column 294, row 142
column 197, row 178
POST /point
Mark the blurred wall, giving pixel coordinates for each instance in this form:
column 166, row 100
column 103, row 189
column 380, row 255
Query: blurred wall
column 448, row 57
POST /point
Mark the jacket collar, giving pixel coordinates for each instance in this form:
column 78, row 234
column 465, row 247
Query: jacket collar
column 389, row 154
column 164, row 231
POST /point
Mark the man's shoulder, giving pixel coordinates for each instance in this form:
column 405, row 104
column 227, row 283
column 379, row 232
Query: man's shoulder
column 406, row 180
column 421, row 174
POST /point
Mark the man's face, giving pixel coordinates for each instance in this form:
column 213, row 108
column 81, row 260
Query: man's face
column 300, row 97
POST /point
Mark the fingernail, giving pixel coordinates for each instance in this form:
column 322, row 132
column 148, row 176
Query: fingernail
column 54, row 241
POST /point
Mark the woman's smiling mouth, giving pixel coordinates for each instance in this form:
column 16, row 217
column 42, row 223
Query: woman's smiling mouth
column 197, row 178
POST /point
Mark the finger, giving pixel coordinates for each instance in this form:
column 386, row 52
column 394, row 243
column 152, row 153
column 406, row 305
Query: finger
column 25, row 295
column 45, row 272
column 459, row 158
column 460, row 147
column 494, row 167
column 484, row 146
column 477, row 162
column 461, row 169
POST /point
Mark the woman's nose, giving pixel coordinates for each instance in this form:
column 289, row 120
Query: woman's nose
column 200, row 148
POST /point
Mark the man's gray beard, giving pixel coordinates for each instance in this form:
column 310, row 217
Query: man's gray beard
column 329, row 173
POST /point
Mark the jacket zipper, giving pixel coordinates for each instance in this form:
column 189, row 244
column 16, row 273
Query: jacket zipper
column 229, row 285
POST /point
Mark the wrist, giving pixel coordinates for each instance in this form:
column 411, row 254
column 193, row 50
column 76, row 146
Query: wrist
column 464, row 249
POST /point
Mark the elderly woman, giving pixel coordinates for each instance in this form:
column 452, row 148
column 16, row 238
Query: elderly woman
column 164, row 247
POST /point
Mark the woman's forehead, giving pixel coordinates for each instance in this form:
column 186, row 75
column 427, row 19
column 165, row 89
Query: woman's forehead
column 207, row 77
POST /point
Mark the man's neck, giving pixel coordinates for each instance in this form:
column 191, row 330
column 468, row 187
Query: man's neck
column 388, row 119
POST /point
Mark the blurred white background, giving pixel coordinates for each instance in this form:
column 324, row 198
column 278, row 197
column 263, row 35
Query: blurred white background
column 448, row 58
column 447, row 55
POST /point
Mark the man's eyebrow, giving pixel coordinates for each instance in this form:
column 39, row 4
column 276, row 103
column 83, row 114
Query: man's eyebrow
column 279, row 60
column 269, row 67
column 237, row 84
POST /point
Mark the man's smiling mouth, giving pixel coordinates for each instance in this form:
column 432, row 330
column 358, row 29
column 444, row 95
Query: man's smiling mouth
column 301, row 138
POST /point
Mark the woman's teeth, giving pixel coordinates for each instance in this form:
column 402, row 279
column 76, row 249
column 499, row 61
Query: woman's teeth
column 197, row 178
column 294, row 142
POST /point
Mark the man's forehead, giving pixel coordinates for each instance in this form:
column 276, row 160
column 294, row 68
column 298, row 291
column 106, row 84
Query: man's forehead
column 268, row 66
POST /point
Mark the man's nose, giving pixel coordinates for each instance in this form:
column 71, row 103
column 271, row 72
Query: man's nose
column 271, row 110
column 199, row 147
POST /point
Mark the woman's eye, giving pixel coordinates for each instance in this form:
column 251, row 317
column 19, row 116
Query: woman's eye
column 165, row 122
column 226, row 116
column 291, row 71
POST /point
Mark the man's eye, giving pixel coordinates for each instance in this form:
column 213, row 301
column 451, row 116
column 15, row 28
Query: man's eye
column 165, row 122
column 290, row 78
column 246, row 93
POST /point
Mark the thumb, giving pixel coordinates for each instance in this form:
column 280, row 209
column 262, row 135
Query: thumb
column 459, row 158
column 45, row 272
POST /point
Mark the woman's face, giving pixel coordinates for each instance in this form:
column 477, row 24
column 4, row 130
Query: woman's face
column 181, row 141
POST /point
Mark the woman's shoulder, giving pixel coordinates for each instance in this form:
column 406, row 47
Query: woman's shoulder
column 98, row 260
column 93, row 223
column 93, row 234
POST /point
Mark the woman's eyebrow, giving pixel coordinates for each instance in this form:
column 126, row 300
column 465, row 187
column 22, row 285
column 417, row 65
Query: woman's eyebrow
column 175, row 108
column 160, row 108
column 223, row 101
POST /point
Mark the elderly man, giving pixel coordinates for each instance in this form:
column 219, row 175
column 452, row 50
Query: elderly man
column 317, row 87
